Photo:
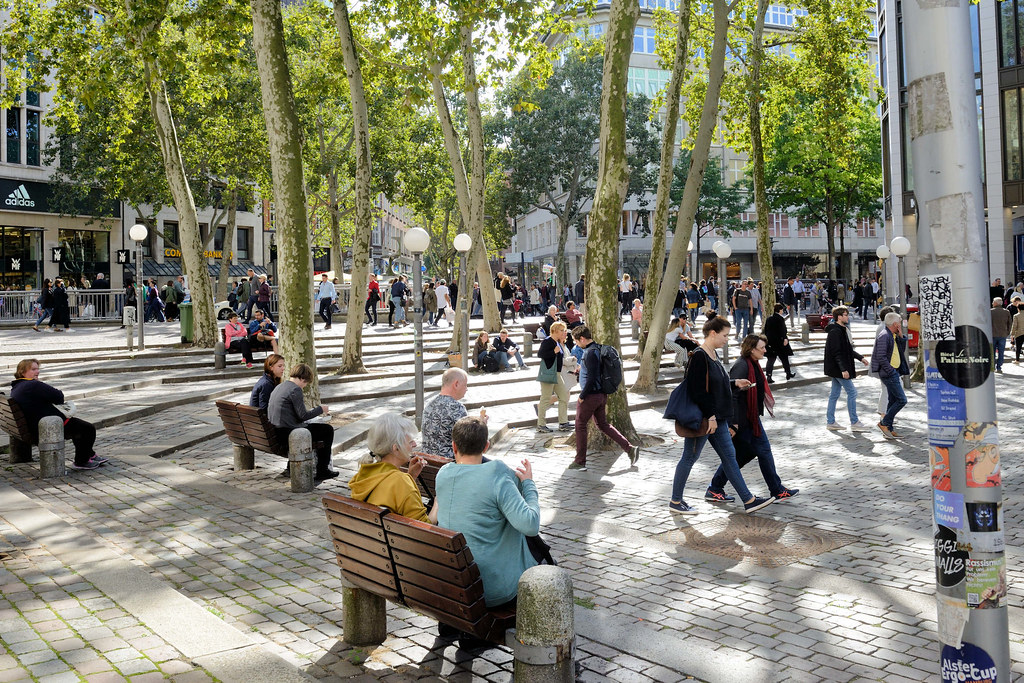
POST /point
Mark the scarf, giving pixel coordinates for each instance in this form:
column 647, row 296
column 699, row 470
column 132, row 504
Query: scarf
column 756, row 377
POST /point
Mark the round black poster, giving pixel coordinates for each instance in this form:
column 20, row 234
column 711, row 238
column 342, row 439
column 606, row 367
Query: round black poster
column 965, row 361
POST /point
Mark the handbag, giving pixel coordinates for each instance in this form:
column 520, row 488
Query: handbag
column 546, row 374
column 689, row 420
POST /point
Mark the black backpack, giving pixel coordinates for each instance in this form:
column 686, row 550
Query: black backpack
column 611, row 369
column 489, row 363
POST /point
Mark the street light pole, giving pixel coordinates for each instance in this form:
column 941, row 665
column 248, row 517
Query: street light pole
column 138, row 233
column 416, row 241
column 463, row 243
column 882, row 252
column 900, row 247
column 723, row 251
column 956, row 338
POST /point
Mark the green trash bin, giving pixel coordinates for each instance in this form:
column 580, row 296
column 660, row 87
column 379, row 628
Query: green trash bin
column 185, row 318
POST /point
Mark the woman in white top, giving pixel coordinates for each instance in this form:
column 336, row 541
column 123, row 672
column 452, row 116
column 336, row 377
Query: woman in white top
column 626, row 294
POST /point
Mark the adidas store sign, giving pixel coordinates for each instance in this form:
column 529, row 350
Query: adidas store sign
column 20, row 197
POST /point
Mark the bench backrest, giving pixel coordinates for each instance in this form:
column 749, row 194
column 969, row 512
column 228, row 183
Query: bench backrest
column 425, row 482
column 228, row 411
column 13, row 421
column 432, row 568
column 260, row 434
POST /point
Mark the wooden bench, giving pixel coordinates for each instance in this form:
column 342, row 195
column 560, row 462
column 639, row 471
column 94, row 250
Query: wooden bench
column 249, row 430
column 415, row 564
column 265, row 347
column 13, row 421
column 425, row 482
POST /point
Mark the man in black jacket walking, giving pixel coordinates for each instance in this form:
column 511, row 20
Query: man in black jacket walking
column 839, row 365
column 580, row 290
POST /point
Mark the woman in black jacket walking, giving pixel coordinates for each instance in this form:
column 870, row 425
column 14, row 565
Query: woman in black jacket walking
column 710, row 387
column 777, row 343
column 61, row 310
column 748, row 435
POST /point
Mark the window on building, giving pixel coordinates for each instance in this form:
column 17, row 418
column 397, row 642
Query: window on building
column 171, row 234
column 780, row 15
column 778, row 225
column 647, row 82
column 243, row 238
column 14, row 135
column 32, row 138
column 908, row 160
column 670, row 5
column 806, row 228
column 1011, row 135
column 643, row 40
column 1011, row 32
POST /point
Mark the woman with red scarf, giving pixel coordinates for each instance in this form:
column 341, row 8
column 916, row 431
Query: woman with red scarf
column 748, row 435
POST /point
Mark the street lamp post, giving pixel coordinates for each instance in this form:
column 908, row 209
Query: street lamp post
column 693, row 260
column 138, row 233
column 416, row 241
column 722, row 251
column 882, row 252
column 900, row 247
column 463, row 243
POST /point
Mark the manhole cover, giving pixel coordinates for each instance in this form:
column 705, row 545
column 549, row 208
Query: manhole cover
column 342, row 419
column 765, row 541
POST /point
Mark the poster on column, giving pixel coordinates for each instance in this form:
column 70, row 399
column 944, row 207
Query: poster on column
column 986, row 582
column 947, row 406
column 981, row 441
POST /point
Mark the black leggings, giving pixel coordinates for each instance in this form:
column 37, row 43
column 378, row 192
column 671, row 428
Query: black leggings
column 83, row 435
column 1018, row 344
column 371, row 312
column 242, row 346
column 318, row 432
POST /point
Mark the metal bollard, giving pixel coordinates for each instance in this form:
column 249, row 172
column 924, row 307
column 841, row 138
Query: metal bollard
column 364, row 616
column 300, row 460
column 636, row 330
column 245, row 458
column 544, row 640
column 51, row 447
column 805, row 333
column 220, row 356
column 527, row 344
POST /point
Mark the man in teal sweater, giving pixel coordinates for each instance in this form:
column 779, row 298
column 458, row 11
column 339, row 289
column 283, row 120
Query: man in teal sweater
column 494, row 507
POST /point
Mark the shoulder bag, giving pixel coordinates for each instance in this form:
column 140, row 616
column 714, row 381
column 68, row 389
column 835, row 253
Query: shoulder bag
column 548, row 375
column 690, row 422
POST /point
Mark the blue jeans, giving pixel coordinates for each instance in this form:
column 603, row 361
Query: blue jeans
column 1000, row 350
column 722, row 443
column 47, row 313
column 897, row 399
column 503, row 359
column 851, row 400
column 742, row 318
column 714, row 302
column 399, row 309
column 749, row 447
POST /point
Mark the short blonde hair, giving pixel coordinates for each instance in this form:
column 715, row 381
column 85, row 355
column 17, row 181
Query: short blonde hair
column 557, row 326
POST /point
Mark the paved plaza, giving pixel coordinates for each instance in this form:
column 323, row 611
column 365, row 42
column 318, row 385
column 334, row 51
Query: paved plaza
column 166, row 564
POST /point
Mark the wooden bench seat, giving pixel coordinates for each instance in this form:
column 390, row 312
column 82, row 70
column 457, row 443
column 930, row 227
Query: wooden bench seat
column 425, row 482
column 13, row 421
column 415, row 564
column 248, row 427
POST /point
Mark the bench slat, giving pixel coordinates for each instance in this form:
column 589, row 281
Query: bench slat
column 349, row 507
column 412, row 564
column 358, row 579
column 443, row 605
column 431, row 551
column 464, row 592
column 424, row 532
column 356, row 526
column 376, row 562
column 376, row 546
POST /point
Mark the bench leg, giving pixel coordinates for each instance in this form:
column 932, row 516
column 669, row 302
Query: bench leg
column 300, row 460
column 545, row 641
column 21, row 451
column 365, row 619
column 51, row 447
column 245, row 458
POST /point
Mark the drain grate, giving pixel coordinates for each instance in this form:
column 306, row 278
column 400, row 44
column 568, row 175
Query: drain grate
column 765, row 541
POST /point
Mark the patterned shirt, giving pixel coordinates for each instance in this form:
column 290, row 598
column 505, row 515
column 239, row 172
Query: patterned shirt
column 438, row 419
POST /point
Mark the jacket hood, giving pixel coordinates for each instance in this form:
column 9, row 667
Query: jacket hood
column 15, row 383
column 369, row 477
column 832, row 326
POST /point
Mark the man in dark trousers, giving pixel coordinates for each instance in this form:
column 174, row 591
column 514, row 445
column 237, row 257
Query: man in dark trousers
column 592, row 402
column 839, row 365
column 254, row 288
column 889, row 361
column 580, row 290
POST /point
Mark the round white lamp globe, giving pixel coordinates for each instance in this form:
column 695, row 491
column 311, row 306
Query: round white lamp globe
column 462, row 242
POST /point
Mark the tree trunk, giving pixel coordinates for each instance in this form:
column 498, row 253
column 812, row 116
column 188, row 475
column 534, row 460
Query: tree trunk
column 764, row 243
column 295, row 260
column 612, row 186
column 226, row 248
column 352, row 355
column 337, row 251
column 830, row 232
column 668, row 148
column 205, row 322
column 561, row 267
column 649, row 364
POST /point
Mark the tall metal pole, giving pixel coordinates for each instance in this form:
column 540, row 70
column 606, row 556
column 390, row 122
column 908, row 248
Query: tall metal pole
column 417, row 276
column 141, row 313
column 722, row 308
column 901, row 269
column 956, row 336
column 466, row 295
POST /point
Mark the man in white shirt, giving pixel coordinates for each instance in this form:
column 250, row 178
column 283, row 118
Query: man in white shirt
column 443, row 301
column 798, row 291
column 326, row 295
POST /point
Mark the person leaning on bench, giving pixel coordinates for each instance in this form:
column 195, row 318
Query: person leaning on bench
column 495, row 509
column 38, row 400
column 287, row 411
column 379, row 480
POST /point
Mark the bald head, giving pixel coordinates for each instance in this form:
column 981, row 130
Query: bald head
column 454, row 382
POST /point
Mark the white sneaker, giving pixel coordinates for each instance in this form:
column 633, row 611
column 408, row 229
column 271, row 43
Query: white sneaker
column 860, row 427
column 834, row 427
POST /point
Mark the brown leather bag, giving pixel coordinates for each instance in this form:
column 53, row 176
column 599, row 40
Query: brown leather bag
column 702, row 430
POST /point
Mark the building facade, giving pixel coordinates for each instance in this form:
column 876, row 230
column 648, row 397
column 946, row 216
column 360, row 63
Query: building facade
column 796, row 248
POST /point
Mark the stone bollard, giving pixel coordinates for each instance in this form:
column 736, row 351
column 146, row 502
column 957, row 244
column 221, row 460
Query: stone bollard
column 544, row 640
column 805, row 333
column 300, row 460
column 636, row 330
column 51, row 447
column 220, row 356
column 245, row 458
column 527, row 344
column 364, row 616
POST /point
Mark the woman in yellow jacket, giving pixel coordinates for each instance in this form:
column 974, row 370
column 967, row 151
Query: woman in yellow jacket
column 379, row 480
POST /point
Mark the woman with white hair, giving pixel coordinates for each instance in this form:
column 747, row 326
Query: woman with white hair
column 379, row 480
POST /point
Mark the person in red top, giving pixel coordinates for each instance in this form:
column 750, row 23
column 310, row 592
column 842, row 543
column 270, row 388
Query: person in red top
column 236, row 338
column 372, row 298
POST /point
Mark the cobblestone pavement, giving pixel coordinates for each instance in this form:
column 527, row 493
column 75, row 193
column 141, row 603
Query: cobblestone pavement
column 833, row 585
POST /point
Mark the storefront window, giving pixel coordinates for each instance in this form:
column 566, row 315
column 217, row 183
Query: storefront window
column 19, row 258
column 86, row 252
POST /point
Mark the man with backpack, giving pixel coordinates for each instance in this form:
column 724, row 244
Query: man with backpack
column 600, row 375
